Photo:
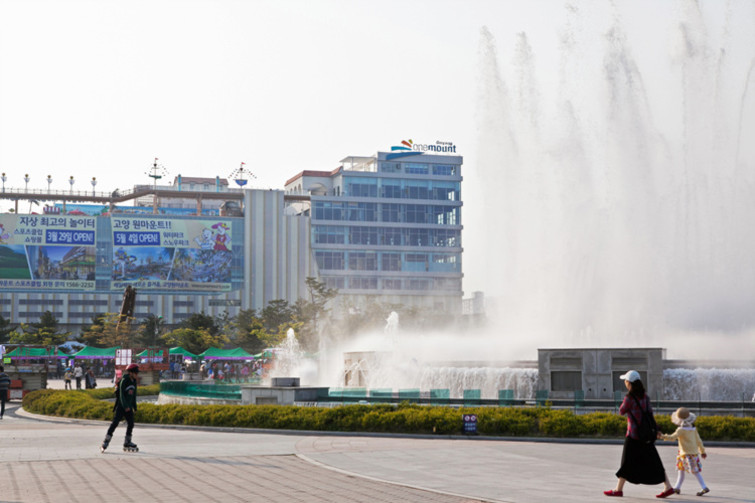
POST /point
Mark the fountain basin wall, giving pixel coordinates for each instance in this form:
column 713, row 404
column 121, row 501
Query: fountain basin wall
column 280, row 395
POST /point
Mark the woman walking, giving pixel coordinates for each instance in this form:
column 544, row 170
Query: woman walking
column 640, row 463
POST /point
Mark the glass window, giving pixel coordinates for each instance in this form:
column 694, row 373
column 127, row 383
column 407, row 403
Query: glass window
column 390, row 188
column 391, row 261
column 390, row 236
column 325, row 210
column 417, row 237
column 362, row 261
column 416, row 190
column 363, row 235
column 329, row 260
column 445, row 262
column 391, row 284
column 337, row 283
column 358, row 187
column 415, row 168
column 417, row 284
column 360, row 283
column 445, row 191
column 328, row 234
column 416, row 214
column 444, row 169
column 416, row 262
column 446, row 237
column 390, row 167
column 390, row 212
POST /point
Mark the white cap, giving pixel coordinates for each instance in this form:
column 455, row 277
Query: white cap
column 631, row 376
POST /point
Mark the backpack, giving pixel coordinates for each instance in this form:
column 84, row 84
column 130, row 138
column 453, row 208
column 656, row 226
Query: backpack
column 647, row 429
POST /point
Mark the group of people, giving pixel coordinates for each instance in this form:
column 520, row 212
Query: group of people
column 230, row 371
column 79, row 373
column 640, row 462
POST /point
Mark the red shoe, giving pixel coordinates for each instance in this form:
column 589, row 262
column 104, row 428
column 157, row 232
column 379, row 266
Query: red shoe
column 613, row 493
column 666, row 493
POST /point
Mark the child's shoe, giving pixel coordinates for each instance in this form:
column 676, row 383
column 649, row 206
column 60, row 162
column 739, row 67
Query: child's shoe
column 704, row 491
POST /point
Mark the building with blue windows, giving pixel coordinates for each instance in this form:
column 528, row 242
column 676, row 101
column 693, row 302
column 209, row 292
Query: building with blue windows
column 387, row 228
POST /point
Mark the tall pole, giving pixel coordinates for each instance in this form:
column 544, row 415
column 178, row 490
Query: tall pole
column 4, row 178
column 49, row 183
column 94, row 182
column 26, row 181
column 71, row 180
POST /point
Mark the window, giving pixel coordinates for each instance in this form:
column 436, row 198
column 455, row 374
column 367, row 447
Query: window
column 391, row 284
column 390, row 236
column 390, row 212
column 444, row 169
column 391, row 261
column 415, row 168
column 337, row 283
column 446, row 237
column 363, row 235
column 417, row 237
column 329, row 234
column 416, row 214
column 329, row 260
column 363, row 261
column 445, row 191
column 362, row 188
column 416, row 262
column 391, row 189
column 361, row 212
column 416, row 190
column 418, row 284
column 325, row 210
column 390, row 167
column 359, row 283
column 443, row 262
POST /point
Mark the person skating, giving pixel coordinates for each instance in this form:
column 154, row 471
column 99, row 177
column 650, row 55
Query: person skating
column 125, row 406
column 4, row 387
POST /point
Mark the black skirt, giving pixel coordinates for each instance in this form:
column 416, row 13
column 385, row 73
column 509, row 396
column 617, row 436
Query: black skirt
column 640, row 463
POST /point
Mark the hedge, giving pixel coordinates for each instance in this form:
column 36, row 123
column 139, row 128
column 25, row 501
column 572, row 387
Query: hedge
column 384, row 418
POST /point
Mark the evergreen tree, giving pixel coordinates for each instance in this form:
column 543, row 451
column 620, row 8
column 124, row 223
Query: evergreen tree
column 5, row 330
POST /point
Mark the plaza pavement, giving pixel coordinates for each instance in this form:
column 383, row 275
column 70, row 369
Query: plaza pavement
column 46, row 459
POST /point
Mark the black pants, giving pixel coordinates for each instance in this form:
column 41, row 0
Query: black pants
column 3, row 398
column 120, row 413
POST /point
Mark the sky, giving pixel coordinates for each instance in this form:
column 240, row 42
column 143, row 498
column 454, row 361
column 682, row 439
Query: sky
column 100, row 88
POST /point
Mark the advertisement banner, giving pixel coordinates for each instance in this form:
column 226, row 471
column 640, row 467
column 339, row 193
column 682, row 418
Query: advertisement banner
column 47, row 252
column 169, row 254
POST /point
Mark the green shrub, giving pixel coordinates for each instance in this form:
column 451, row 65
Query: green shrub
column 383, row 418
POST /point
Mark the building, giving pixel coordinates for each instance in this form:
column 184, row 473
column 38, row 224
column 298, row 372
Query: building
column 387, row 228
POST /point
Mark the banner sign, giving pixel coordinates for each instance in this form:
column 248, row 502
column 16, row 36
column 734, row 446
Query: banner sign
column 47, row 252
column 170, row 254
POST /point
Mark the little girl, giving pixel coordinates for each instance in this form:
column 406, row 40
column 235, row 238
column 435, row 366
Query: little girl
column 689, row 445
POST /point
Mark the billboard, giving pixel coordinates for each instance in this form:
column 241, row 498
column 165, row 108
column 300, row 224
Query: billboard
column 42, row 252
column 171, row 254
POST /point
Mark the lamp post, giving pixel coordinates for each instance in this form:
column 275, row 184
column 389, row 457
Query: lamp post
column 71, row 181
column 49, row 182
column 94, row 182
column 26, row 181
column 4, row 178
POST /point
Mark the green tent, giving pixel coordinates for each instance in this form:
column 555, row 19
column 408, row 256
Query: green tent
column 22, row 353
column 92, row 353
column 178, row 350
column 226, row 354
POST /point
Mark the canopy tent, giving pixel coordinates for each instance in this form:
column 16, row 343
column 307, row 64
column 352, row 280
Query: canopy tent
column 92, row 353
column 178, row 350
column 226, row 354
column 22, row 353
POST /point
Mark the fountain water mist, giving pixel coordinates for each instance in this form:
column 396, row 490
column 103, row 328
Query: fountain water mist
column 606, row 221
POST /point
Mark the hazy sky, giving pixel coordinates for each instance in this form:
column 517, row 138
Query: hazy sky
column 99, row 88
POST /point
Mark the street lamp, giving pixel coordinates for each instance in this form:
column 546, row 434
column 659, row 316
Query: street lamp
column 94, row 182
column 26, row 180
column 71, row 181
column 49, row 182
column 4, row 178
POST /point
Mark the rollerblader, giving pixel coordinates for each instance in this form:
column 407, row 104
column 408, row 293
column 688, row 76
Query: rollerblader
column 125, row 406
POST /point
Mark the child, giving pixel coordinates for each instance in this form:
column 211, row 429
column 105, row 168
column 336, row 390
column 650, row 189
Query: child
column 689, row 445
column 67, row 377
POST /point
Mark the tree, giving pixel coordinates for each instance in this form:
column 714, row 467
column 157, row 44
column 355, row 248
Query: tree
column 194, row 340
column 43, row 333
column 248, row 331
column 311, row 312
column 149, row 330
column 277, row 313
column 106, row 332
column 5, row 330
column 201, row 321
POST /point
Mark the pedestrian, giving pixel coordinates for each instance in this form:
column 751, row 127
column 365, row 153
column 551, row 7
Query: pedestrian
column 67, row 378
column 90, row 382
column 640, row 463
column 690, row 445
column 125, row 406
column 78, row 374
column 4, row 387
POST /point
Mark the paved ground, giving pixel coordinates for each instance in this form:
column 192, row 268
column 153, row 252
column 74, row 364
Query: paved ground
column 43, row 459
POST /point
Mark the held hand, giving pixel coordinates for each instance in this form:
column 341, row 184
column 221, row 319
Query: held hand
column 705, row 455
column 128, row 409
column 659, row 435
